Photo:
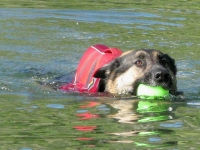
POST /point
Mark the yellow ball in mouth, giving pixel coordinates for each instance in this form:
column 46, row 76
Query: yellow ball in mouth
column 151, row 91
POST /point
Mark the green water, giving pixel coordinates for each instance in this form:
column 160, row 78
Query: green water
column 41, row 40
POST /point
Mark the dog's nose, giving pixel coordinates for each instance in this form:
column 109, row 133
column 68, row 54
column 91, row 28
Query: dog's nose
column 161, row 75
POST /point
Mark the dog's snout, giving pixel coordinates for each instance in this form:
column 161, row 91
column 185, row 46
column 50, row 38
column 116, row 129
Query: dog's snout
column 161, row 75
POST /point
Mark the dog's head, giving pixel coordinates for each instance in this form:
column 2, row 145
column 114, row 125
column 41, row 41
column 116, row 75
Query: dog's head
column 147, row 66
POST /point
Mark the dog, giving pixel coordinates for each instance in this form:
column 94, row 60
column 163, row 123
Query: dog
column 147, row 66
column 105, row 69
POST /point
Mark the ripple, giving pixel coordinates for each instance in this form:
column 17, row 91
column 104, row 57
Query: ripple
column 154, row 139
column 57, row 106
column 172, row 125
column 26, row 148
column 106, row 16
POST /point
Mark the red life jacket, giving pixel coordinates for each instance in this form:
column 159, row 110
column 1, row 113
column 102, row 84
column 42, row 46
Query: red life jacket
column 94, row 58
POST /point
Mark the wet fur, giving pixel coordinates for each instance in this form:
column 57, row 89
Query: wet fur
column 148, row 66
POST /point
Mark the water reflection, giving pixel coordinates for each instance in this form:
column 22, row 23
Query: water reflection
column 130, row 112
column 144, row 111
column 154, row 111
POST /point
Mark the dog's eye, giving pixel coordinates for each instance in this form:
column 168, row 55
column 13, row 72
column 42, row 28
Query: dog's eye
column 163, row 60
column 139, row 63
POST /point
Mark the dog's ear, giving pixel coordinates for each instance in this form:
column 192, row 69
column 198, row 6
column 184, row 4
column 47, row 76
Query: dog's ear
column 105, row 71
column 171, row 63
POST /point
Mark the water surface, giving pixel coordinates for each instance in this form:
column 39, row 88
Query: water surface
column 42, row 44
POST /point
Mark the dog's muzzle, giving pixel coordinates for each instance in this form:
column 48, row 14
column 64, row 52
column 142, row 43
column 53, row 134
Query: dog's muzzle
column 158, row 76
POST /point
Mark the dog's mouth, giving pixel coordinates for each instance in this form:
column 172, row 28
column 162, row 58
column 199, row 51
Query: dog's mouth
column 164, row 85
column 165, row 82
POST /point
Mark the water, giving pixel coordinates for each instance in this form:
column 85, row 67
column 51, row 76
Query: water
column 42, row 44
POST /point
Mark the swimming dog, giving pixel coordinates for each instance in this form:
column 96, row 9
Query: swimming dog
column 104, row 69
